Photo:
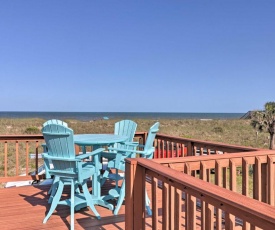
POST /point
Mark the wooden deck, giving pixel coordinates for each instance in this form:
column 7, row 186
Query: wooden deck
column 25, row 207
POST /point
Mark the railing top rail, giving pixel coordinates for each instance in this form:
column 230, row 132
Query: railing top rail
column 208, row 143
column 158, row 136
column 244, row 207
column 213, row 157
column 21, row 137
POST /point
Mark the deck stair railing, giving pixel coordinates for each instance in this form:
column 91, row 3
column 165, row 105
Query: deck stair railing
column 248, row 173
column 192, row 202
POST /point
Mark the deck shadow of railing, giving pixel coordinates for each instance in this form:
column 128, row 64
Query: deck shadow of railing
column 63, row 211
column 95, row 223
column 38, row 198
column 41, row 198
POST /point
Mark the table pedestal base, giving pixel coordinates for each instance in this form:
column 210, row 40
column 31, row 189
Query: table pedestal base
column 96, row 201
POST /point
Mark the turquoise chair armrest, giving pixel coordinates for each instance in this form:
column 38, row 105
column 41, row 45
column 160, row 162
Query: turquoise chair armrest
column 126, row 150
column 145, row 153
column 47, row 156
column 44, row 146
column 126, row 146
column 130, row 143
column 89, row 154
column 141, row 146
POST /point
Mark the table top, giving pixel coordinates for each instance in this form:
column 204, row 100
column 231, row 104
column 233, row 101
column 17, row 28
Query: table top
column 98, row 139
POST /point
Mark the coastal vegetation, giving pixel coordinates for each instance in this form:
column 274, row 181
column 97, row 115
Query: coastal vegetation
column 265, row 121
column 230, row 131
column 235, row 131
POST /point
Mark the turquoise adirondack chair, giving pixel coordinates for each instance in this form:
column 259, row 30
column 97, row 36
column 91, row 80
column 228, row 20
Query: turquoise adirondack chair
column 129, row 150
column 47, row 163
column 123, row 128
column 69, row 168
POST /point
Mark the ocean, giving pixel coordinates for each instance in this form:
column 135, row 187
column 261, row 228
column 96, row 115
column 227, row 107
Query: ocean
column 87, row 116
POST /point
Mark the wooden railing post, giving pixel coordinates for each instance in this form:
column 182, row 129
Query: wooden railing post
column 270, row 192
column 190, row 147
column 130, row 172
column 135, row 196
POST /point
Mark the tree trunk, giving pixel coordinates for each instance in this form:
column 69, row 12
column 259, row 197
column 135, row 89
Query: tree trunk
column 271, row 143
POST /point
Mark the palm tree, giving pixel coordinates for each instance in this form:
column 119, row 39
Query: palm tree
column 265, row 121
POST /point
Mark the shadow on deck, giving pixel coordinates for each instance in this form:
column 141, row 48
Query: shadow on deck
column 25, row 207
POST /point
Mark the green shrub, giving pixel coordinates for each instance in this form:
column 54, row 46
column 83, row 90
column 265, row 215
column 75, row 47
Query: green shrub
column 32, row 130
column 218, row 130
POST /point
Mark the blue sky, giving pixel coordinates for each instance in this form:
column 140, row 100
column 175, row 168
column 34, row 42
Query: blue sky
column 137, row 56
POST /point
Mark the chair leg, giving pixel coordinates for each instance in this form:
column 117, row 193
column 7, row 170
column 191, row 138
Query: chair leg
column 88, row 198
column 147, row 204
column 72, row 203
column 120, row 198
column 53, row 188
column 76, row 188
column 105, row 176
column 55, row 200
column 116, row 179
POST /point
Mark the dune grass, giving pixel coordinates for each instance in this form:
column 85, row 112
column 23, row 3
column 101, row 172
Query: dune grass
column 238, row 132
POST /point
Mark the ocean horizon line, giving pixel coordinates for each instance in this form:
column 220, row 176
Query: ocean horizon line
column 7, row 111
column 85, row 116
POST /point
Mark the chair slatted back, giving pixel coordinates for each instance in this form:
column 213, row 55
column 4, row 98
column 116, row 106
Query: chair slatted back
column 148, row 147
column 60, row 143
column 125, row 128
column 55, row 121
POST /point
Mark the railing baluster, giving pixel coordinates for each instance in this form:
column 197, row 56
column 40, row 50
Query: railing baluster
column 229, row 218
column 209, row 216
column 171, row 207
column 27, row 157
column 154, row 203
column 177, row 215
column 16, row 159
column 201, row 151
column 257, row 180
column 172, row 150
column 203, row 176
column 245, row 185
column 218, row 181
column 165, row 206
column 177, row 149
column 158, row 149
column 245, row 177
column 6, row 159
column 271, row 187
column 182, row 150
column 36, row 158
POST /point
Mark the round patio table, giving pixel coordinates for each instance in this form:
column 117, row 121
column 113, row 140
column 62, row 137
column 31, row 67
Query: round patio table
column 97, row 141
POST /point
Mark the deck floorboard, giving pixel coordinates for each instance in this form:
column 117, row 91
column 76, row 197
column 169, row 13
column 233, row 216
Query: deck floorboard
column 25, row 207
